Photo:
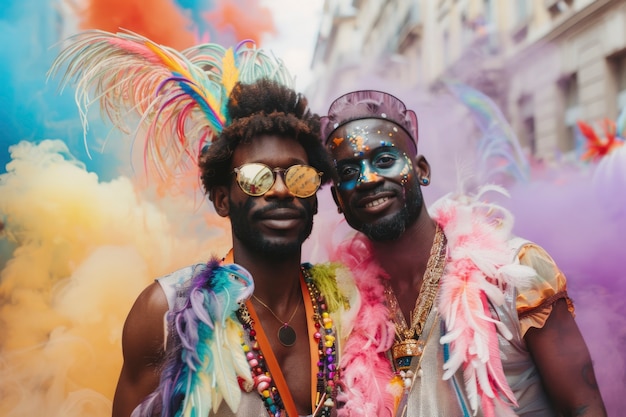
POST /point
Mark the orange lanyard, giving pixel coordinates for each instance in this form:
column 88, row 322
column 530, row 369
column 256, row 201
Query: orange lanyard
column 272, row 363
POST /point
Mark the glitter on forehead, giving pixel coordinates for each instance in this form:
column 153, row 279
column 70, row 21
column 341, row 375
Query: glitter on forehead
column 358, row 144
column 357, row 139
column 360, row 137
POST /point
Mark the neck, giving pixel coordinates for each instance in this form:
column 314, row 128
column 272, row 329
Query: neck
column 276, row 279
column 405, row 259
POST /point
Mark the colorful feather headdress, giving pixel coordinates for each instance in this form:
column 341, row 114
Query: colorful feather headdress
column 179, row 97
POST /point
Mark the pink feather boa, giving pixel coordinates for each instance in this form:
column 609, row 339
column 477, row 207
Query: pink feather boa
column 365, row 369
column 478, row 267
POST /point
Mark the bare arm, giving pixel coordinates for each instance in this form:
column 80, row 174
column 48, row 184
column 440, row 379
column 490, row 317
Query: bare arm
column 564, row 363
column 142, row 347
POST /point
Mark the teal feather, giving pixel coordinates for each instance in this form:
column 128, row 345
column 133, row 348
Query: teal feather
column 204, row 360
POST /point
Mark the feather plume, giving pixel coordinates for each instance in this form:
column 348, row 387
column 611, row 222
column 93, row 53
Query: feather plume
column 324, row 276
column 206, row 359
column 230, row 72
column 335, row 281
column 366, row 373
column 173, row 102
column 477, row 258
column 598, row 147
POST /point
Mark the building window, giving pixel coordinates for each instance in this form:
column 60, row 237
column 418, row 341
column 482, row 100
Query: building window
column 527, row 115
column 620, row 75
column 569, row 88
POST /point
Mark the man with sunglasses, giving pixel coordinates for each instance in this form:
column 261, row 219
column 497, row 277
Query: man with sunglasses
column 476, row 321
column 262, row 172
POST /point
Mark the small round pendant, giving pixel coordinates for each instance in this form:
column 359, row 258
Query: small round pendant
column 286, row 336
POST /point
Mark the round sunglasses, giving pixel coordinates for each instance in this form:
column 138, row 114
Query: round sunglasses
column 256, row 179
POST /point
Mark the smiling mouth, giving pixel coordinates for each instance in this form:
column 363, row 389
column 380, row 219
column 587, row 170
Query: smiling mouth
column 376, row 202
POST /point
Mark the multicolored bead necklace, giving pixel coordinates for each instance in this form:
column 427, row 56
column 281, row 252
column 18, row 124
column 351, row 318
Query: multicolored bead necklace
column 324, row 337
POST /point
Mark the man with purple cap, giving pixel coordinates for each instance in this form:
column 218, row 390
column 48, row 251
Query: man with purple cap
column 458, row 316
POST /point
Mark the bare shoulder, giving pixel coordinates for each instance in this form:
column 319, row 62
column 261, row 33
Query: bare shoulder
column 565, row 365
column 142, row 348
column 144, row 326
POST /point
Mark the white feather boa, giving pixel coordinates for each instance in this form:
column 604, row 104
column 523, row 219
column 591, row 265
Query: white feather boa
column 479, row 266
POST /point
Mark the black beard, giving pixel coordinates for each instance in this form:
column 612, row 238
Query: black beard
column 394, row 227
column 389, row 229
column 254, row 240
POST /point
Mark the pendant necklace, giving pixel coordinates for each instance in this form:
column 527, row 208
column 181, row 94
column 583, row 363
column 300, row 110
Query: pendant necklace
column 409, row 344
column 286, row 333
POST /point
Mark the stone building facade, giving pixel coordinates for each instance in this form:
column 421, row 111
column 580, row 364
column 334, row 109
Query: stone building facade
column 546, row 63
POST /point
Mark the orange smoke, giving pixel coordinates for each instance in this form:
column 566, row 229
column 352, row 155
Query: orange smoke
column 164, row 23
column 245, row 19
column 158, row 20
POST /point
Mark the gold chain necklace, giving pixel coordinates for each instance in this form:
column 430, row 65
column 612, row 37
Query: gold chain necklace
column 408, row 343
column 286, row 333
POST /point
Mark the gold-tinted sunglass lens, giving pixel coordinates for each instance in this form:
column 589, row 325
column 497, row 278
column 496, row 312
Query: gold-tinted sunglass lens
column 255, row 179
column 302, row 180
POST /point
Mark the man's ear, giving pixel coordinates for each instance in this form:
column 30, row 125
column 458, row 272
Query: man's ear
column 333, row 191
column 219, row 196
column 422, row 168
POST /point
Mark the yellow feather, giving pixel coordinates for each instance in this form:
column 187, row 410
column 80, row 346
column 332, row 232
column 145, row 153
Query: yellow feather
column 230, row 73
column 176, row 66
column 167, row 60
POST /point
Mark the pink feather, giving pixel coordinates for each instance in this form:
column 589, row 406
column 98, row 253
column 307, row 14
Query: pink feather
column 365, row 370
column 135, row 48
column 478, row 248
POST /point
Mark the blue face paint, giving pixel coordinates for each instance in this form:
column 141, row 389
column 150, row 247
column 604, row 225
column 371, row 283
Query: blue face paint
column 384, row 162
column 367, row 150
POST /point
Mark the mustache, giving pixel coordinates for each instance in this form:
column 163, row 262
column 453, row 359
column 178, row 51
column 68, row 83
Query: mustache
column 380, row 189
column 279, row 205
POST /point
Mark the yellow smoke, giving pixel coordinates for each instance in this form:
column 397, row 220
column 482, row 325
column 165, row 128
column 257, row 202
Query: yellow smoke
column 82, row 252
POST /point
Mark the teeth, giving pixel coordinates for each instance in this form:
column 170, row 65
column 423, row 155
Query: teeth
column 376, row 202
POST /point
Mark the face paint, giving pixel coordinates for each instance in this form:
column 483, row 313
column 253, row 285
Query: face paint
column 361, row 138
column 384, row 162
column 377, row 181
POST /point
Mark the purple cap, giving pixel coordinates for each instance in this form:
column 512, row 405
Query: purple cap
column 369, row 104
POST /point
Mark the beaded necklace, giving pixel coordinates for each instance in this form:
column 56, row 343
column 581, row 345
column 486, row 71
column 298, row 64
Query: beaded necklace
column 327, row 373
